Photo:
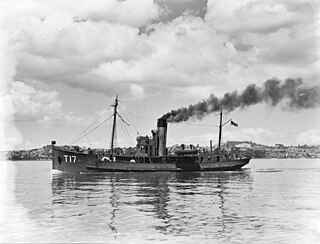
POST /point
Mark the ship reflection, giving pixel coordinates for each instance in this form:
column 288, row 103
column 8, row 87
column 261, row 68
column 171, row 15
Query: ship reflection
column 89, row 190
column 173, row 199
column 209, row 190
column 66, row 188
column 114, row 197
column 153, row 196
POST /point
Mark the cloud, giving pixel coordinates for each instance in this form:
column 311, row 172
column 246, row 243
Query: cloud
column 280, row 32
column 94, row 46
column 111, row 11
column 257, row 16
column 99, row 47
column 257, row 135
column 12, row 143
column 201, row 139
column 120, row 11
column 310, row 137
column 76, row 51
column 273, row 92
column 25, row 104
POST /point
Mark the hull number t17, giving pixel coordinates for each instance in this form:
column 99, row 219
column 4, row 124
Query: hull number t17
column 70, row 159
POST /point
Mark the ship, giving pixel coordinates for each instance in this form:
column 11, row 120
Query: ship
column 151, row 154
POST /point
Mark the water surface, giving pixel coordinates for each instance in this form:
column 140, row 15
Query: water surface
column 268, row 201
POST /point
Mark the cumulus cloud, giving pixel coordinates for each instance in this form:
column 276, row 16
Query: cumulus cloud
column 310, row 137
column 278, row 32
column 201, row 139
column 112, row 11
column 66, row 41
column 100, row 47
column 258, row 16
column 120, row 11
column 25, row 104
column 11, row 143
column 94, row 46
column 257, row 135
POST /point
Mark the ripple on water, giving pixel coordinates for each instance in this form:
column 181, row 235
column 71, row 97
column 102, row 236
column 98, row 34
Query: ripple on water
column 272, row 201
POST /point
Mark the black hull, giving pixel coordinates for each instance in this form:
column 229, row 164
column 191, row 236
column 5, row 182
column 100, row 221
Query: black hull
column 145, row 169
column 72, row 161
column 142, row 169
column 76, row 162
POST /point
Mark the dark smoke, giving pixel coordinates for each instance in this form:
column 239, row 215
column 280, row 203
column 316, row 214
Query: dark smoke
column 271, row 92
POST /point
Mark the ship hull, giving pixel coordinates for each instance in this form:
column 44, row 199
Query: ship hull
column 72, row 161
column 225, row 165
column 76, row 162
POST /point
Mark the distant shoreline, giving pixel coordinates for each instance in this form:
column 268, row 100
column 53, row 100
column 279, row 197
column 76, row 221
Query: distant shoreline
column 28, row 160
column 4, row 159
column 239, row 148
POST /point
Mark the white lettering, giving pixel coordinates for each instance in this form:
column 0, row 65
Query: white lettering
column 74, row 158
column 70, row 158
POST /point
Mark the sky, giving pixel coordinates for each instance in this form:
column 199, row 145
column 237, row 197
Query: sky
column 64, row 62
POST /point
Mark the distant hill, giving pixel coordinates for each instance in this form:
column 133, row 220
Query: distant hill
column 230, row 144
column 43, row 153
column 255, row 150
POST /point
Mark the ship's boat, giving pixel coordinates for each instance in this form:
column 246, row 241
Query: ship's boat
column 151, row 154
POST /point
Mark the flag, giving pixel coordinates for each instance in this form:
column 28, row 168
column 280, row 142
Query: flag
column 234, row 124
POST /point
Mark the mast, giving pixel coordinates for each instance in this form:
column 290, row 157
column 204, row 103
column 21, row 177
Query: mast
column 114, row 123
column 220, row 129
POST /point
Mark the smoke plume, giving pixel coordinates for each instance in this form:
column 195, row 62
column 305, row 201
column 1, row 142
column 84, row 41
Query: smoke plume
column 272, row 92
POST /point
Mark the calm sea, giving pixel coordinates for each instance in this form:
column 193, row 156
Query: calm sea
column 269, row 201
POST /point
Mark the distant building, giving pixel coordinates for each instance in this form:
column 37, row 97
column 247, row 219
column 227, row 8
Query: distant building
column 243, row 145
